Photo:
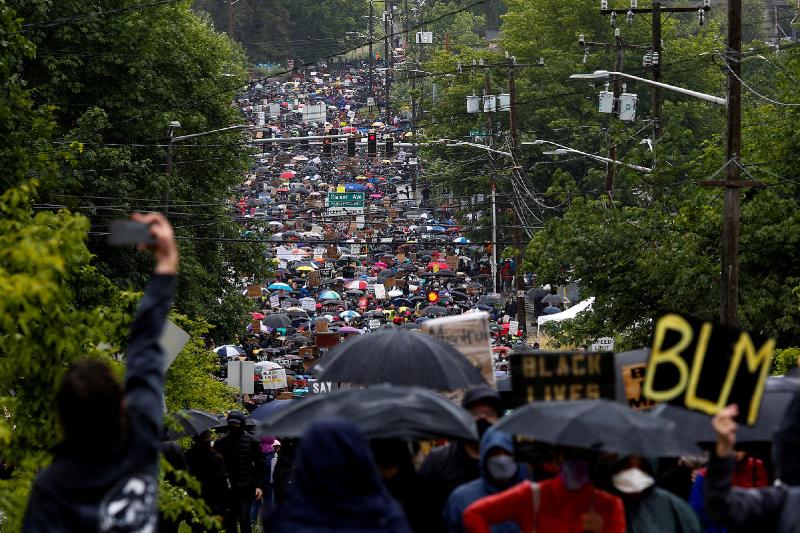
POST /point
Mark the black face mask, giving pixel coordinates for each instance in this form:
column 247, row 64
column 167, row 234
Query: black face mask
column 482, row 425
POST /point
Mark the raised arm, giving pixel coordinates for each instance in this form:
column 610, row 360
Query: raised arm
column 144, row 374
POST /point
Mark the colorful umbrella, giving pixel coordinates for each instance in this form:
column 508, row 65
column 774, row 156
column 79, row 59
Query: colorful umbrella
column 278, row 286
column 357, row 284
column 329, row 295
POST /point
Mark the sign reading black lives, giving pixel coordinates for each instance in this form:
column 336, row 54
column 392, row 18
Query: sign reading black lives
column 555, row 376
column 705, row 367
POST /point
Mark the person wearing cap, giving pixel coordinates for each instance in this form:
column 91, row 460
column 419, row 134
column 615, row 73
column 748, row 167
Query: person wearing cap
column 246, row 468
column 456, row 463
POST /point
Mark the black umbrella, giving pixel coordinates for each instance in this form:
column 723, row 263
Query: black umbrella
column 399, row 357
column 383, row 275
column 381, row 412
column 408, row 267
column 600, row 425
column 400, row 302
column 411, row 325
column 278, row 320
column 456, row 295
column 697, row 426
column 436, row 310
column 190, row 422
column 489, row 300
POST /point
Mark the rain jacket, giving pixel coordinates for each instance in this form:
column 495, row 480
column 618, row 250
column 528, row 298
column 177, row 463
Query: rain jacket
column 115, row 492
column 470, row 492
column 659, row 511
column 560, row 510
column 336, row 486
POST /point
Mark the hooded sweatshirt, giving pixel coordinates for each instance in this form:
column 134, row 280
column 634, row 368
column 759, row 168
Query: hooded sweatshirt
column 474, row 490
column 336, row 486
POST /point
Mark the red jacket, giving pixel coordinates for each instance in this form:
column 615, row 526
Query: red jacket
column 560, row 510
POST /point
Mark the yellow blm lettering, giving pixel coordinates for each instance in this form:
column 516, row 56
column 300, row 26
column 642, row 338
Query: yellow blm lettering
column 757, row 362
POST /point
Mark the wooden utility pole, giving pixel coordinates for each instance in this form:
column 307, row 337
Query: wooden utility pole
column 489, row 137
column 516, row 162
column 371, row 54
column 389, row 53
column 731, row 208
column 612, row 152
column 229, row 3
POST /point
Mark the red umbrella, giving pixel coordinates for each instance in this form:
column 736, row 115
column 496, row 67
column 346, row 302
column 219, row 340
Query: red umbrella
column 287, row 174
column 257, row 316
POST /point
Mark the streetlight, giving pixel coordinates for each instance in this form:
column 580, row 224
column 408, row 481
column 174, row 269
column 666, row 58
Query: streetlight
column 171, row 127
column 605, row 74
column 561, row 149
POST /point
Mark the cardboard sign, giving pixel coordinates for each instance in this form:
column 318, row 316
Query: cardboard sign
column 333, row 252
column 172, row 341
column 389, row 283
column 380, row 291
column 401, row 257
column 452, row 262
column 633, row 380
column 275, row 300
column 513, row 327
column 558, row 376
column 327, row 340
column 254, row 291
column 314, row 279
column 470, row 335
column 705, row 367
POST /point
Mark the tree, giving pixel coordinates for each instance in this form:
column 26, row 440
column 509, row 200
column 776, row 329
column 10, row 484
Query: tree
column 116, row 78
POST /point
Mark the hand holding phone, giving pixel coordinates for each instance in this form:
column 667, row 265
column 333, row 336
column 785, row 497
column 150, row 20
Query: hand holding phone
column 148, row 231
column 129, row 233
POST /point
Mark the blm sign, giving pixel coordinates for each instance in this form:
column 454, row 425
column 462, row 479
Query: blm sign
column 558, row 376
column 705, row 367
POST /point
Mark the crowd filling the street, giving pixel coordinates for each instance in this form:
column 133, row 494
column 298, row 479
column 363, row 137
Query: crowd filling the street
column 394, row 369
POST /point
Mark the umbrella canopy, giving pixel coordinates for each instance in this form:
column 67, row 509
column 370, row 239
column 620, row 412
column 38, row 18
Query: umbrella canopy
column 190, row 422
column 399, row 357
column 697, row 426
column 279, row 286
column 381, row 412
column 349, row 314
column 600, row 425
column 278, row 320
column 489, row 300
column 461, row 240
column 229, row 350
column 434, row 310
column 357, row 284
column 350, row 329
column 265, row 410
column 329, row 295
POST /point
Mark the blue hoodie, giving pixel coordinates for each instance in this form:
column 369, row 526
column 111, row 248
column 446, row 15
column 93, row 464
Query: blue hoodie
column 466, row 494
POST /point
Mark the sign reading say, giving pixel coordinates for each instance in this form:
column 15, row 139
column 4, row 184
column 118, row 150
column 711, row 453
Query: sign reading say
column 558, row 376
column 706, row 367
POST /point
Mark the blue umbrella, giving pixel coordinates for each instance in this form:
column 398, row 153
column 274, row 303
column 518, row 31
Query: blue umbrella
column 461, row 240
column 278, row 286
column 436, row 229
column 329, row 295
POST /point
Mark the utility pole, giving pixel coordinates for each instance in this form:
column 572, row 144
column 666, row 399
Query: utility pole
column 371, row 54
column 732, row 196
column 489, row 136
column 387, row 41
column 612, row 152
column 230, row 19
column 655, row 92
column 516, row 161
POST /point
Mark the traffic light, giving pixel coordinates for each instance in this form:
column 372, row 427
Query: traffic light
column 389, row 146
column 326, row 145
column 351, row 146
column 433, row 297
column 372, row 144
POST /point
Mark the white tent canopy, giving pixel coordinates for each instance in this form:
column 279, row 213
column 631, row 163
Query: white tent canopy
column 569, row 314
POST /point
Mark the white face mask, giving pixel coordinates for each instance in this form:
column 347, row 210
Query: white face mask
column 632, row 481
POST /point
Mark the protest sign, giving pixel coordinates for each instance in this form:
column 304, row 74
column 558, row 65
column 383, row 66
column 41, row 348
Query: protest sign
column 274, row 379
column 699, row 366
column 286, row 304
column 275, row 300
column 558, row 376
column 314, row 279
column 513, row 327
column 308, row 304
column 172, row 341
column 253, row 291
column 469, row 333
column 380, row 291
column 452, row 262
column 374, row 323
column 631, row 369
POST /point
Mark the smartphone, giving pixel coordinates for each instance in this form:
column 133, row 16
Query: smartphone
column 129, row 232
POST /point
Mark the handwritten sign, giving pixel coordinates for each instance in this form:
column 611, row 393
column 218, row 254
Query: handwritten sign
column 308, row 304
column 374, row 323
column 470, row 335
column 558, row 376
column 452, row 262
column 380, row 291
column 705, row 367
column 275, row 300
column 253, row 291
column 314, row 279
column 274, row 379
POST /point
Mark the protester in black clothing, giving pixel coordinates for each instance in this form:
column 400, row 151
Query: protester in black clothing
column 395, row 466
column 774, row 509
column 104, row 476
column 283, row 473
column 208, row 467
column 246, row 469
column 448, row 467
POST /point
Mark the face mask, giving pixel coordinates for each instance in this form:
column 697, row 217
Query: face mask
column 632, row 481
column 501, row 467
column 575, row 473
column 482, row 425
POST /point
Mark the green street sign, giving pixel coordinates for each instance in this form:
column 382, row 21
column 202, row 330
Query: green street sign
column 346, row 201
column 477, row 133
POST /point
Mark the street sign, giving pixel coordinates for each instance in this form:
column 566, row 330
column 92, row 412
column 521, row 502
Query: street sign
column 603, row 344
column 345, row 203
column 477, row 133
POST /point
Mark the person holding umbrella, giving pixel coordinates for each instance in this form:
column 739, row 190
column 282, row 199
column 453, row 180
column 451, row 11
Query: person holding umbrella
column 567, row 503
column 208, row 467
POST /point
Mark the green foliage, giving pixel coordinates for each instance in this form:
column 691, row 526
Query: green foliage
column 178, row 499
column 785, row 360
